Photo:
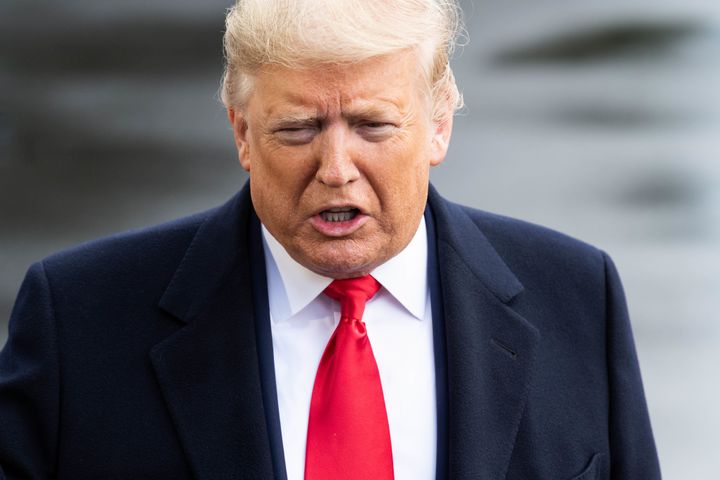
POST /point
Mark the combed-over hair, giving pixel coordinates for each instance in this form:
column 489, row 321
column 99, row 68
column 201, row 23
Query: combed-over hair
column 307, row 33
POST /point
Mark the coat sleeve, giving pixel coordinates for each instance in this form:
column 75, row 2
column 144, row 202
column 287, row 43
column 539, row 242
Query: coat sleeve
column 29, row 384
column 632, row 448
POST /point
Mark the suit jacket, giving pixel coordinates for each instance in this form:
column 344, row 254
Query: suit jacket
column 147, row 356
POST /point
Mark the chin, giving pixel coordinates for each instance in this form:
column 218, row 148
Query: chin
column 340, row 269
column 339, row 263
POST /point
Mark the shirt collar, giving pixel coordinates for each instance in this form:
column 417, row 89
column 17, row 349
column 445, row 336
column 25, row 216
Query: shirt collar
column 291, row 286
column 405, row 275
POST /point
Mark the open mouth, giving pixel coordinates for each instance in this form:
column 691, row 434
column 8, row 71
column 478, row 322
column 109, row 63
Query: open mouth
column 334, row 215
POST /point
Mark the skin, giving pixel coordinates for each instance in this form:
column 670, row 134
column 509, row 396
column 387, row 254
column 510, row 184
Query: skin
column 335, row 136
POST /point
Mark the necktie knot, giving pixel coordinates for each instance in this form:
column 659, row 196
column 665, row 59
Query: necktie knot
column 353, row 293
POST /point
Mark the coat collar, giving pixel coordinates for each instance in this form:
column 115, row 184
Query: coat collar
column 458, row 232
column 490, row 347
column 212, row 381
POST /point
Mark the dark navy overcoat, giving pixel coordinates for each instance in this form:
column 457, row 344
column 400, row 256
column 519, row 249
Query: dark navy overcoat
column 147, row 355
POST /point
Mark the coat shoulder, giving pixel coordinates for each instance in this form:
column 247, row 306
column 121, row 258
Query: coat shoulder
column 135, row 252
column 522, row 241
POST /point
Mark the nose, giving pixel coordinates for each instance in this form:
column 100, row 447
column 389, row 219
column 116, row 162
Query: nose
column 336, row 166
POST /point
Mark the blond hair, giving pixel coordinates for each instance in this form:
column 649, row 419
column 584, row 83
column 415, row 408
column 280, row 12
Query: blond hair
column 307, row 33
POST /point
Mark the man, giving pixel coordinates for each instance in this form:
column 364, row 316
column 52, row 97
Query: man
column 337, row 318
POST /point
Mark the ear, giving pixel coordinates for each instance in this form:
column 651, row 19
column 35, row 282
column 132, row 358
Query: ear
column 441, row 137
column 240, row 132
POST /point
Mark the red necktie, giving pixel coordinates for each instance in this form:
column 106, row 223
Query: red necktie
column 348, row 434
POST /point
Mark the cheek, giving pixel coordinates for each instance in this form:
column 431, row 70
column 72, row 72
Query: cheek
column 283, row 172
column 400, row 179
column 409, row 165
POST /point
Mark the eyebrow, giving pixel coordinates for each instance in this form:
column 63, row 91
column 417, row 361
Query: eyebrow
column 365, row 110
column 300, row 118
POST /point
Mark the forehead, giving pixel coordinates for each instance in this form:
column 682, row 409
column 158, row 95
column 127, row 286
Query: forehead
column 392, row 82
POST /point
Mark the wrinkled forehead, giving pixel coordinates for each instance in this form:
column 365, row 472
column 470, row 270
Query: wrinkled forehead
column 391, row 82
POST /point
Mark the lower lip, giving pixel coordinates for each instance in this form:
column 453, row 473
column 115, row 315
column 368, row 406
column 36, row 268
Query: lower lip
column 338, row 229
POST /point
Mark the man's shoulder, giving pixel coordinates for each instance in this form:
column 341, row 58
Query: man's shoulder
column 505, row 227
column 155, row 248
column 521, row 241
column 552, row 267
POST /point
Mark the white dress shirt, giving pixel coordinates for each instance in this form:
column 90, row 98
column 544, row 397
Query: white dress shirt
column 399, row 325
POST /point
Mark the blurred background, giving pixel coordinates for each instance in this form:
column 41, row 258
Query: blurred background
column 599, row 119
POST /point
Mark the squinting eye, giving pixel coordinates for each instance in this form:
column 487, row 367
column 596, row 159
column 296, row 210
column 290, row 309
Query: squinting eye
column 296, row 135
column 377, row 125
column 377, row 130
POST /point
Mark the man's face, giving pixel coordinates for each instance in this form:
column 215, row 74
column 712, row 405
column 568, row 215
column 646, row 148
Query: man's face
column 339, row 159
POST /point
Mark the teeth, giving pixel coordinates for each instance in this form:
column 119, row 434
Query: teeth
column 335, row 216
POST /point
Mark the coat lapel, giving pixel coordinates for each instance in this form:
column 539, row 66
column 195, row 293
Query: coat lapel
column 208, row 370
column 490, row 348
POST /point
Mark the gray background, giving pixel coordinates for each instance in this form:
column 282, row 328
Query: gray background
column 599, row 119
